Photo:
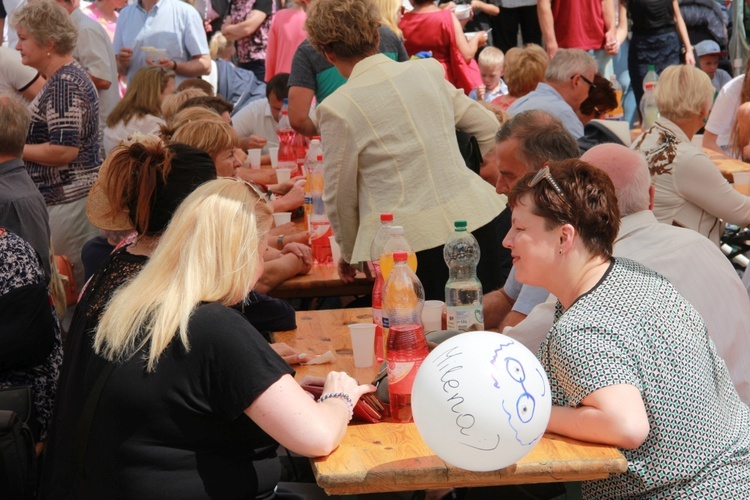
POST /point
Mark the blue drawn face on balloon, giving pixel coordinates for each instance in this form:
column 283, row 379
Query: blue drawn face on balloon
column 519, row 393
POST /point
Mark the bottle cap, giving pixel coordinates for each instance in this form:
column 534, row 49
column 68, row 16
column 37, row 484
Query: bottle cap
column 651, row 67
column 396, row 230
column 400, row 256
column 320, row 158
column 460, row 225
column 316, row 137
column 386, row 217
column 286, row 101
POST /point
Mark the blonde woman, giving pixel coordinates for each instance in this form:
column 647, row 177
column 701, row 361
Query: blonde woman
column 193, row 384
column 172, row 103
column 140, row 110
column 689, row 189
column 391, row 11
column 524, row 69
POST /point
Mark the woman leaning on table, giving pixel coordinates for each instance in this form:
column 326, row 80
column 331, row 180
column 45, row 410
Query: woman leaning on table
column 689, row 189
column 389, row 143
column 62, row 151
column 629, row 360
column 194, row 389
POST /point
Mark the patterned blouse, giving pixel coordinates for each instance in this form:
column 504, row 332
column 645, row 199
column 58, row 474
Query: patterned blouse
column 20, row 267
column 634, row 328
column 253, row 47
column 66, row 113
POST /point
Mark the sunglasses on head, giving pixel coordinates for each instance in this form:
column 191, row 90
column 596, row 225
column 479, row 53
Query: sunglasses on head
column 544, row 173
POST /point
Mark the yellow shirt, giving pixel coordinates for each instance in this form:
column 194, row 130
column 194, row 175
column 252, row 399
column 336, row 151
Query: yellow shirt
column 389, row 145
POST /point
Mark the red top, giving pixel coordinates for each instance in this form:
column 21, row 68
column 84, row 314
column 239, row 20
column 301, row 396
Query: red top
column 434, row 31
column 579, row 24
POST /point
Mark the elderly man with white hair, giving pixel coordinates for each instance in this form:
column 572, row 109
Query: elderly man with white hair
column 568, row 79
column 694, row 265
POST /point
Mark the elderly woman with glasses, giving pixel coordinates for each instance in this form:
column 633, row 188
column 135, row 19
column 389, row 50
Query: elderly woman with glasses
column 689, row 189
column 629, row 360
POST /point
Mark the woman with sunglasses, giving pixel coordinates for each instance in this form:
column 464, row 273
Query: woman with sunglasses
column 629, row 360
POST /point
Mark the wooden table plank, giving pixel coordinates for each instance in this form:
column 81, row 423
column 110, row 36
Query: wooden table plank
column 387, row 456
column 323, row 281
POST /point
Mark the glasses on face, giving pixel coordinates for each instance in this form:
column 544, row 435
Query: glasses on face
column 591, row 84
column 544, row 173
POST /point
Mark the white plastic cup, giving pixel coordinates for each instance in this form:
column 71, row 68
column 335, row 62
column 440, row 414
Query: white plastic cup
column 283, row 174
column 335, row 250
column 253, row 156
column 273, row 152
column 432, row 315
column 281, row 218
column 742, row 182
column 363, row 344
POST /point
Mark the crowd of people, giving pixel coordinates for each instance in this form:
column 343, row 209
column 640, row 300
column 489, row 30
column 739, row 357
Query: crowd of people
column 125, row 126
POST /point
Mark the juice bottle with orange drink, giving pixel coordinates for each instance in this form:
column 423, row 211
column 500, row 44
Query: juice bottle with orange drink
column 396, row 243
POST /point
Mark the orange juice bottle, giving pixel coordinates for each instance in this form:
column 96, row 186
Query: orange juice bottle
column 396, row 243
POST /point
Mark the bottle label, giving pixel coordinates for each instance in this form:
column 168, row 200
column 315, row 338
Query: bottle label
column 377, row 315
column 462, row 317
column 319, row 228
column 401, row 376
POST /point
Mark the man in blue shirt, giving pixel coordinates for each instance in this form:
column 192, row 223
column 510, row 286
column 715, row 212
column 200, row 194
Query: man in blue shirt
column 569, row 76
column 172, row 26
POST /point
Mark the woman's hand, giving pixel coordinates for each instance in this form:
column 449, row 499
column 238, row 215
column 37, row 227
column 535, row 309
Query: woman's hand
column 346, row 271
column 303, row 253
column 342, row 382
column 289, row 354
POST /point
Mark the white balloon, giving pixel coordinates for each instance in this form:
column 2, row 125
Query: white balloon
column 481, row 401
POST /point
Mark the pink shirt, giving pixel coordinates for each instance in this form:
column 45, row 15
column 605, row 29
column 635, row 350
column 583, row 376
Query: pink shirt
column 94, row 13
column 287, row 32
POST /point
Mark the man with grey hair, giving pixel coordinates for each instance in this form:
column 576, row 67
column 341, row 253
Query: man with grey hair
column 694, row 265
column 523, row 144
column 569, row 77
column 22, row 207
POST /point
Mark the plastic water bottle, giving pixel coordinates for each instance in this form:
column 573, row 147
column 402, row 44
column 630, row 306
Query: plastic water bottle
column 320, row 226
column 463, row 291
column 285, row 134
column 649, row 110
column 311, row 162
column 376, row 249
column 407, row 347
column 396, row 243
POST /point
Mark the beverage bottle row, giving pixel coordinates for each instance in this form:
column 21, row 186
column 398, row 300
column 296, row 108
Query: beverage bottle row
column 311, row 161
column 649, row 110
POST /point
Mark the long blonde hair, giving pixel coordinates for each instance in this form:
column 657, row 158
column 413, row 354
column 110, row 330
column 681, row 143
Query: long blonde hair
column 209, row 253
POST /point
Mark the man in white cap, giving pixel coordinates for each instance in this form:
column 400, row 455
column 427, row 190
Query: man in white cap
column 708, row 53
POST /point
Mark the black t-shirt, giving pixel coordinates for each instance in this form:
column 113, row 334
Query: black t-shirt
column 180, row 431
column 651, row 17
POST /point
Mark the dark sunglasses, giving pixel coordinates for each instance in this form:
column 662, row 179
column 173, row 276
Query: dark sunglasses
column 591, row 84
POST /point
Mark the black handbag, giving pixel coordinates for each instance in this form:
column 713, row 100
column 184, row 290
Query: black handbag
column 18, row 461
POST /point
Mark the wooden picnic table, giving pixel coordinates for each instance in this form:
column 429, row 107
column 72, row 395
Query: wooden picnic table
column 387, row 456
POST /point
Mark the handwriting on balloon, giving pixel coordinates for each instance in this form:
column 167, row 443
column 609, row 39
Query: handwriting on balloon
column 449, row 363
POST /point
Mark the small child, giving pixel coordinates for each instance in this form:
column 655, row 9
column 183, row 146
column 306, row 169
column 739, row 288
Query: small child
column 708, row 53
column 491, row 62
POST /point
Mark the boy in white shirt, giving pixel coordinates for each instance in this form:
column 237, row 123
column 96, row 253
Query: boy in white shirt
column 491, row 65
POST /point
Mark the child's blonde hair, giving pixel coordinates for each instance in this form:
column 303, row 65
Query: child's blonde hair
column 491, row 57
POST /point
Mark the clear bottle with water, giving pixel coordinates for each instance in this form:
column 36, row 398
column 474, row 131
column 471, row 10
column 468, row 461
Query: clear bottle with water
column 463, row 291
column 407, row 347
column 376, row 249
column 319, row 225
column 285, row 133
column 648, row 108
